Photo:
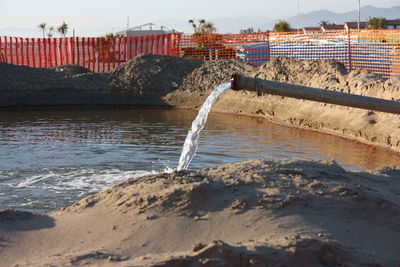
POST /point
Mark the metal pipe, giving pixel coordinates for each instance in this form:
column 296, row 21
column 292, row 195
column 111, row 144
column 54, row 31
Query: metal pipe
column 239, row 82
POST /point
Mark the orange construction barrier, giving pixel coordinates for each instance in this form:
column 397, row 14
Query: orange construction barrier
column 375, row 50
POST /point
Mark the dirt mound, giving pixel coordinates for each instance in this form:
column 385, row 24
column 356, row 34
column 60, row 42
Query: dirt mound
column 328, row 74
column 21, row 78
column 314, row 73
column 150, row 74
column 243, row 186
column 264, row 212
column 309, row 252
column 211, row 74
column 196, row 85
column 364, row 82
column 25, row 86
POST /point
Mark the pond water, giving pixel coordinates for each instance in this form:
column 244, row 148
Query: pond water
column 50, row 158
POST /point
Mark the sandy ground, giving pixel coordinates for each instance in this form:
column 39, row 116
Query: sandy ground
column 253, row 213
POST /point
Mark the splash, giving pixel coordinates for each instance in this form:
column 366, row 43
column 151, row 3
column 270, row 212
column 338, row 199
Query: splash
column 191, row 141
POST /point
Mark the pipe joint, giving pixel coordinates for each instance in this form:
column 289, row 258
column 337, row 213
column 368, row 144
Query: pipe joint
column 233, row 81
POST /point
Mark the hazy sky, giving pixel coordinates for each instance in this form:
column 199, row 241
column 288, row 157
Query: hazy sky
column 107, row 15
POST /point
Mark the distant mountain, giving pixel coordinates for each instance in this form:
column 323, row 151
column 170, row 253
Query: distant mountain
column 313, row 18
column 235, row 24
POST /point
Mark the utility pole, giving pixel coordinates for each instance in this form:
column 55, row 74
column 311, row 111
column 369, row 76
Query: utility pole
column 298, row 16
column 127, row 26
column 359, row 14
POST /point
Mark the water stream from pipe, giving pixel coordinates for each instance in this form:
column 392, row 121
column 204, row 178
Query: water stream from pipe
column 191, row 141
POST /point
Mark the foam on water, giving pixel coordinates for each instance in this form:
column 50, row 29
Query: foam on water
column 65, row 179
column 48, row 189
column 191, row 141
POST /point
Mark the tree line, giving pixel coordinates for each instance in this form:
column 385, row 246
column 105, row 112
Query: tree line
column 204, row 27
column 48, row 31
column 372, row 23
column 207, row 27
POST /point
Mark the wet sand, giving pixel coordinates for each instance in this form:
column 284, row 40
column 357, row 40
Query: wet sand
column 252, row 213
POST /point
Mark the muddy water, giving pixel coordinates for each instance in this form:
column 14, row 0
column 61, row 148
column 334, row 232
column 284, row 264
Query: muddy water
column 51, row 158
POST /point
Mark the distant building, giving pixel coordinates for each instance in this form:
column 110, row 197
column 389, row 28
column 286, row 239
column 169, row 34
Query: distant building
column 353, row 25
column 393, row 24
column 295, row 30
column 332, row 27
column 311, row 29
column 147, row 29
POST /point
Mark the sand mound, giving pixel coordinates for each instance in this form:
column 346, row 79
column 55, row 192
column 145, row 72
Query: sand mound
column 328, row 74
column 260, row 185
column 260, row 212
column 314, row 73
column 64, row 85
column 211, row 74
column 24, row 78
column 307, row 252
column 196, row 85
column 141, row 81
column 151, row 74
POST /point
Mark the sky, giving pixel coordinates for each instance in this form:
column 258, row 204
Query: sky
column 21, row 17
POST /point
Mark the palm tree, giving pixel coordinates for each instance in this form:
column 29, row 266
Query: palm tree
column 323, row 23
column 248, row 30
column 203, row 27
column 63, row 29
column 282, row 26
column 50, row 32
column 42, row 27
column 376, row 23
column 111, row 35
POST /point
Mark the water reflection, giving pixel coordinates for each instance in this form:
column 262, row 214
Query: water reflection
column 147, row 129
column 52, row 157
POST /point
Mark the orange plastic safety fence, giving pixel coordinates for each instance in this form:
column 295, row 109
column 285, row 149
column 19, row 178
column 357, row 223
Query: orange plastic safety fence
column 375, row 50
column 99, row 54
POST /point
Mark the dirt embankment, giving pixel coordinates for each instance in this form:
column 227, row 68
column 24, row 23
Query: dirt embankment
column 141, row 81
column 253, row 213
column 184, row 83
column 370, row 127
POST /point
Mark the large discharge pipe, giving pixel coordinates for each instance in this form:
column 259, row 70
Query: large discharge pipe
column 239, row 82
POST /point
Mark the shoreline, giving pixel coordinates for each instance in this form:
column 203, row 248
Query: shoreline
column 258, row 211
column 169, row 82
column 269, row 119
